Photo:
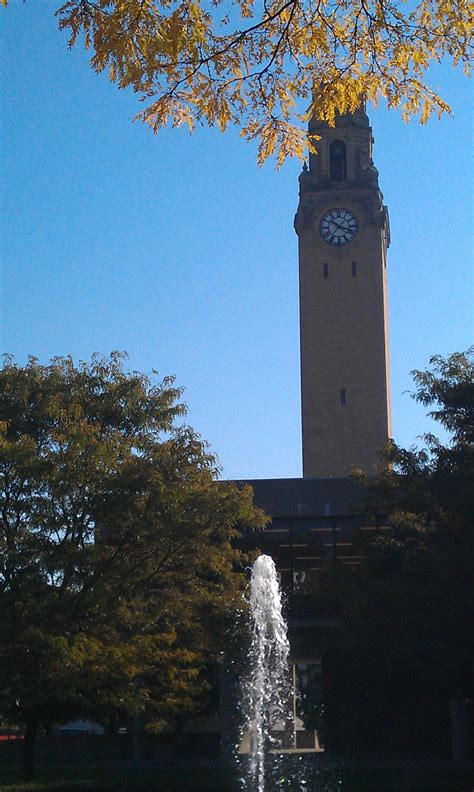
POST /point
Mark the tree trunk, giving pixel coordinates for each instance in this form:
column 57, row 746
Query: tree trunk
column 137, row 740
column 29, row 750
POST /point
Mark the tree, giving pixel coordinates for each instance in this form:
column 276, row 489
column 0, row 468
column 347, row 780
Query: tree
column 269, row 69
column 118, row 569
column 405, row 649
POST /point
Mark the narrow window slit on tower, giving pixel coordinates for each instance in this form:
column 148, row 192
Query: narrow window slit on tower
column 326, row 270
column 354, row 269
column 343, row 395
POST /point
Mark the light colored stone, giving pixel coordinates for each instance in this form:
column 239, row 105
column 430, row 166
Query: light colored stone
column 343, row 319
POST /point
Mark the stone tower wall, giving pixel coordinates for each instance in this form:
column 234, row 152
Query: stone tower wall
column 343, row 315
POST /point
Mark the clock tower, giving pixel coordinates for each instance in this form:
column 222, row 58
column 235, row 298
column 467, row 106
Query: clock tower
column 343, row 234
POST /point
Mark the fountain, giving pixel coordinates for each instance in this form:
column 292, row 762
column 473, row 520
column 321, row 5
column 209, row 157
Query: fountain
column 269, row 741
column 267, row 692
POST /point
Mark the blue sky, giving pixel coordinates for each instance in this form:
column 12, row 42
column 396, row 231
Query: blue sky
column 180, row 250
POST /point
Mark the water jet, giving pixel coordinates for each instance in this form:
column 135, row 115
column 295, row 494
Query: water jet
column 269, row 695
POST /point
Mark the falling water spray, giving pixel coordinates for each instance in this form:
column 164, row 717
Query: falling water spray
column 267, row 688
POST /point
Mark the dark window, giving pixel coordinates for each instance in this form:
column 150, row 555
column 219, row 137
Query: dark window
column 343, row 395
column 338, row 161
column 326, row 270
column 354, row 269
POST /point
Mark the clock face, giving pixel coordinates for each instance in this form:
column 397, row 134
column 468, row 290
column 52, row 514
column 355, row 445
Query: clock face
column 338, row 227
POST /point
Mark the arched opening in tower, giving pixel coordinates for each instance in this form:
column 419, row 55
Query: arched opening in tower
column 338, row 160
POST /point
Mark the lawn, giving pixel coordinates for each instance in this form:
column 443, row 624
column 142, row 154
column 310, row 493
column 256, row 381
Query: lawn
column 383, row 780
column 208, row 779
column 119, row 780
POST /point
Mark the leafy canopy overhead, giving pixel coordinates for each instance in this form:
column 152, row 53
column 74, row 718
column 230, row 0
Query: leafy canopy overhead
column 268, row 67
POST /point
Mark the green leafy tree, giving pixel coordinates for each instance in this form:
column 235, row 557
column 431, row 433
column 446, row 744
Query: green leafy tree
column 118, row 568
column 269, row 67
column 406, row 644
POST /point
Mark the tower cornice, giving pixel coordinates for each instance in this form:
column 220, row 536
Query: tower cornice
column 312, row 201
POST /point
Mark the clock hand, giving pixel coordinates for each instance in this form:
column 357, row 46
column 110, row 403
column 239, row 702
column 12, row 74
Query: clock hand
column 339, row 226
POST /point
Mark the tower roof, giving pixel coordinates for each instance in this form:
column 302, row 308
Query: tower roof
column 358, row 118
